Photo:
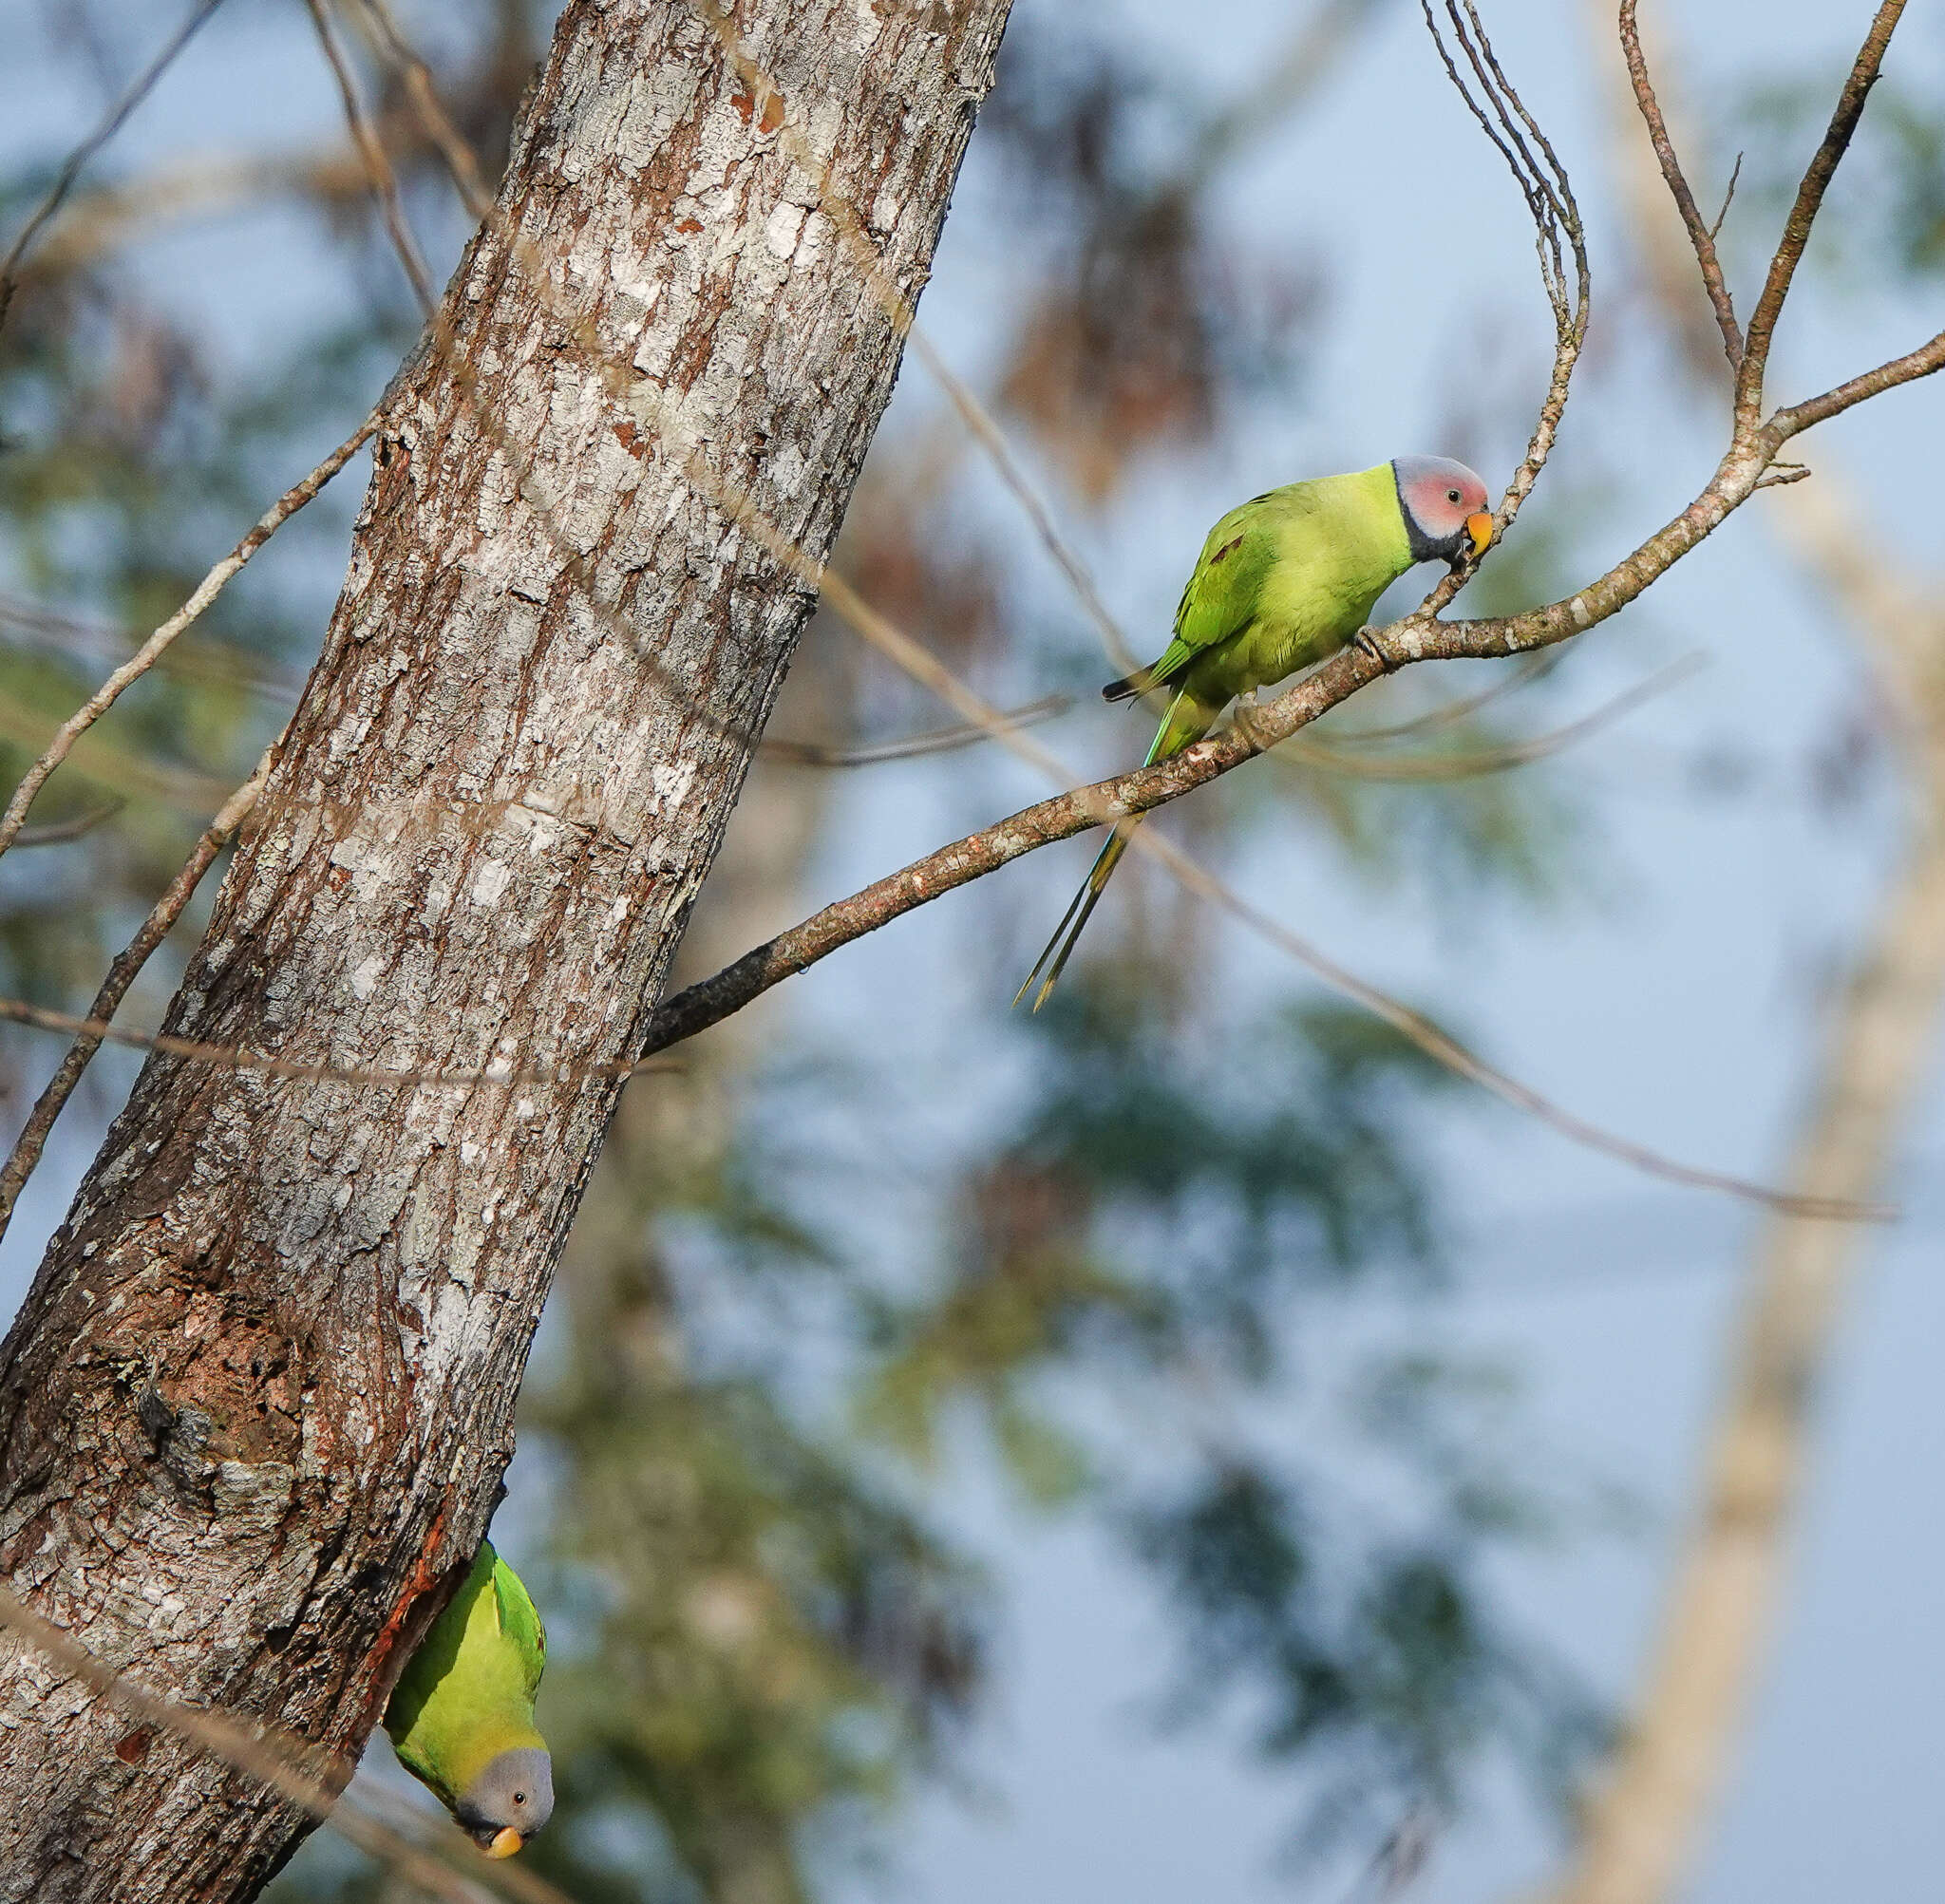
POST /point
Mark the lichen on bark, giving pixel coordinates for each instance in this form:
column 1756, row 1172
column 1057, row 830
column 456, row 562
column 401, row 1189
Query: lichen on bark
column 254, row 1410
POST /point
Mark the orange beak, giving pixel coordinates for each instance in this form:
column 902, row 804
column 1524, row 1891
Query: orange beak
column 505, row 1842
column 1480, row 528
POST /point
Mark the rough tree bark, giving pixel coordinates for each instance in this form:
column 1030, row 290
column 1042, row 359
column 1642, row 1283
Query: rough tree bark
column 256, row 1405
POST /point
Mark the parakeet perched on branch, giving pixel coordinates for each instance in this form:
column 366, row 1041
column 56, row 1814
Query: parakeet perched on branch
column 1283, row 581
column 461, row 1716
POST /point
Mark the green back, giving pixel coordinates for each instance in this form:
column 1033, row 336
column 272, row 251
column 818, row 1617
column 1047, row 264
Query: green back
column 468, row 1694
column 1295, row 569
column 1340, row 545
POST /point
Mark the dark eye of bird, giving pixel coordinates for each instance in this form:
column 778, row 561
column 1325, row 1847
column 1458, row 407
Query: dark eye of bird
column 519, row 1797
column 1451, row 496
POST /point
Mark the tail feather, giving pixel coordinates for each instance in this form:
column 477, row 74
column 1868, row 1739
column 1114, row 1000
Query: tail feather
column 1060, row 948
column 1186, row 720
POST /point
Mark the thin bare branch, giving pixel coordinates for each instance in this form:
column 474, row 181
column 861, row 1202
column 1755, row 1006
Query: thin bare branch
column 384, row 184
column 1560, row 233
column 138, row 90
column 60, row 832
column 213, row 660
column 1700, row 235
column 1451, row 712
column 1728, row 199
column 1926, row 361
column 381, row 28
column 711, row 1000
column 157, row 645
column 32, row 1140
column 234, row 1058
column 1802, row 214
column 299, row 1771
column 1479, row 761
column 913, row 746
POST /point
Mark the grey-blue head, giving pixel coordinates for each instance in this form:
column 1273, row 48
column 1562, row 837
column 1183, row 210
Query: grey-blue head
column 509, row 1800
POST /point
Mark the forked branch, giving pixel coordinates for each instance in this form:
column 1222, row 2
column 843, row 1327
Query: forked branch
column 1803, row 213
column 1700, row 236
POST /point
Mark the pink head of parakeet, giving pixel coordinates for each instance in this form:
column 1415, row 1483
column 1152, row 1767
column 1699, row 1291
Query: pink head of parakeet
column 1445, row 508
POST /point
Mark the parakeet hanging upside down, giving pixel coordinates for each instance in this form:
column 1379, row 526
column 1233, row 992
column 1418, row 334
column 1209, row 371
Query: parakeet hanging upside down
column 1283, row 581
column 462, row 1715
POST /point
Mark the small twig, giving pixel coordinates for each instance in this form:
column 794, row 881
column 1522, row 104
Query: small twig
column 1803, row 213
column 711, row 1000
column 32, row 1140
column 1534, row 667
column 1558, row 232
column 384, row 184
column 59, row 831
column 138, row 90
column 1926, row 361
column 157, row 645
column 913, row 746
column 1484, row 761
column 1728, row 199
column 234, row 1058
column 1700, row 235
column 382, row 30
column 1779, row 473
column 57, row 633
column 305, row 1774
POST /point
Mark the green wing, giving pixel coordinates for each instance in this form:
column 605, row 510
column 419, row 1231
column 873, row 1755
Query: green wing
column 519, row 1622
column 1221, row 593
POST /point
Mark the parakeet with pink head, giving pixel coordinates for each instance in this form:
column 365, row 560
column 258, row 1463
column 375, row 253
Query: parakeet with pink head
column 1284, row 580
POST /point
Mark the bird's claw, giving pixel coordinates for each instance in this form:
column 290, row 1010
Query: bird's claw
column 1366, row 639
column 1244, row 716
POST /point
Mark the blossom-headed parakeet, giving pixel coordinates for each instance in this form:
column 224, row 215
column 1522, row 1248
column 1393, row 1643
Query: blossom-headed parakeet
column 462, row 1715
column 1284, row 580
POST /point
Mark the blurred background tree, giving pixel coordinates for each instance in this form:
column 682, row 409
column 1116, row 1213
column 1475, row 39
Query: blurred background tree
column 885, row 1250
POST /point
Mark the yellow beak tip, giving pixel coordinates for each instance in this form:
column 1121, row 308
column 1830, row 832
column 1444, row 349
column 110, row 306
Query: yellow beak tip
column 505, row 1842
column 1480, row 528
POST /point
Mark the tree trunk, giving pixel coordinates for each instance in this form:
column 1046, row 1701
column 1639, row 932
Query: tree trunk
column 254, row 1410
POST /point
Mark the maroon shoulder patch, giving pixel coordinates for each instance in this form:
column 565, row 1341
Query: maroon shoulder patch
column 1227, row 550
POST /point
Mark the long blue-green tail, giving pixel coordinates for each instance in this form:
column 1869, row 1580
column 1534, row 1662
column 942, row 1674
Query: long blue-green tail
column 1186, row 720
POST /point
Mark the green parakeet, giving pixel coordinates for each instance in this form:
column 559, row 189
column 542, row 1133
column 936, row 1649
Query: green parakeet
column 1283, row 581
column 462, row 1715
